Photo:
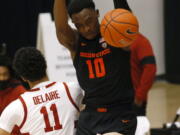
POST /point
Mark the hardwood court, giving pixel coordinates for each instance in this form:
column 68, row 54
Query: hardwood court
column 163, row 102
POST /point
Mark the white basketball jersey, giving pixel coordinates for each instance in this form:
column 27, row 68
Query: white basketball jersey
column 51, row 108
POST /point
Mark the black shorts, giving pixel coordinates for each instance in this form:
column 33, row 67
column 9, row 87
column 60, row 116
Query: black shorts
column 92, row 122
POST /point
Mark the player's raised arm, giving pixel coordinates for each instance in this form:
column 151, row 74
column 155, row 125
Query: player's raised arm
column 65, row 34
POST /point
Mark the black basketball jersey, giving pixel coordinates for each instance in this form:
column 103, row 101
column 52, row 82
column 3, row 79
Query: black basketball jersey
column 103, row 72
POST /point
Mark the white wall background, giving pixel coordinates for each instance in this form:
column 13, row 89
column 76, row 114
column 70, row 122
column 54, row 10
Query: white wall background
column 150, row 16
column 59, row 63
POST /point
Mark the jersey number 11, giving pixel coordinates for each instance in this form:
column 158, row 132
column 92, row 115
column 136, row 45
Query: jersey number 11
column 48, row 127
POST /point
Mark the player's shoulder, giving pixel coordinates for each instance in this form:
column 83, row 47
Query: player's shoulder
column 38, row 87
column 73, row 87
column 13, row 114
column 68, row 84
column 13, row 106
column 15, row 103
column 72, row 84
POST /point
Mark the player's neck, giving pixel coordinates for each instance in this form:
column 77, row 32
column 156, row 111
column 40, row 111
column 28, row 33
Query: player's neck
column 32, row 84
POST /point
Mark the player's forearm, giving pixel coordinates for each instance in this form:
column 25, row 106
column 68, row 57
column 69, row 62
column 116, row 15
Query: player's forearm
column 65, row 33
column 146, row 81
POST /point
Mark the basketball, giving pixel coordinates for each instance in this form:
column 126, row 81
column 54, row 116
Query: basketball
column 119, row 28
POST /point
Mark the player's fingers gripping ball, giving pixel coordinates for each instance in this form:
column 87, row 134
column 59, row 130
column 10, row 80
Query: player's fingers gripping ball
column 119, row 27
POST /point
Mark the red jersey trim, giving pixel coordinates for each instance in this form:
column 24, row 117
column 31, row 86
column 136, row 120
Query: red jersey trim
column 47, row 86
column 25, row 111
column 16, row 131
column 70, row 97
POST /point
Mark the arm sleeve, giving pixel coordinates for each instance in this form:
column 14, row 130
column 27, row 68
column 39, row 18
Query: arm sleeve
column 148, row 64
column 11, row 116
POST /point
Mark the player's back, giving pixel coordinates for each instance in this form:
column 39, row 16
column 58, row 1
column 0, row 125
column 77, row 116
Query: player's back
column 51, row 108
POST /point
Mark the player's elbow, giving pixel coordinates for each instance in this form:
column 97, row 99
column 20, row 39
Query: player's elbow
column 66, row 41
column 61, row 27
column 61, row 32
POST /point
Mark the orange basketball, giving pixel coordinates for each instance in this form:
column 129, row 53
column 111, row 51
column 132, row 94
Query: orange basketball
column 119, row 27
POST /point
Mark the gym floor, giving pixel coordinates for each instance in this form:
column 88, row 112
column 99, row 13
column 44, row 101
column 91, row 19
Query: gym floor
column 163, row 103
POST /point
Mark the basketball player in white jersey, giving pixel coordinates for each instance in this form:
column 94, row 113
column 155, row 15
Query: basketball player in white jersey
column 48, row 108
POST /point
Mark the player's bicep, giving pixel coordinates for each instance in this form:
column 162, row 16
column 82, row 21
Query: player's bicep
column 68, row 37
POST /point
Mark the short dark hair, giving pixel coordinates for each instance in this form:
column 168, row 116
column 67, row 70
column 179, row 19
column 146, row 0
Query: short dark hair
column 75, row 6
column 30, row 64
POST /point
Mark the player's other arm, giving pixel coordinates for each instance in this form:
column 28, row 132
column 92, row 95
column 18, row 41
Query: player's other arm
column 9, row 119
column 3, row 132
column 65, row 34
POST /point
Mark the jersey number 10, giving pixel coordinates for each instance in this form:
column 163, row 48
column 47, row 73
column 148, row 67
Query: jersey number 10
column 99, row 68
column 48, row 127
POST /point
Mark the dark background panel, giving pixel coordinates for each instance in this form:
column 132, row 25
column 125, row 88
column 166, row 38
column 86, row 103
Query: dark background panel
column 172, row 40
column 18, row 22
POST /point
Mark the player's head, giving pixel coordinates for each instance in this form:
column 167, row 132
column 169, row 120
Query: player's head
column 5, row 71
column 85, row 17
column 30, row 64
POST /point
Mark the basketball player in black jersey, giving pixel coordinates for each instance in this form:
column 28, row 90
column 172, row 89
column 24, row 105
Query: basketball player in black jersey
column 103, row 71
